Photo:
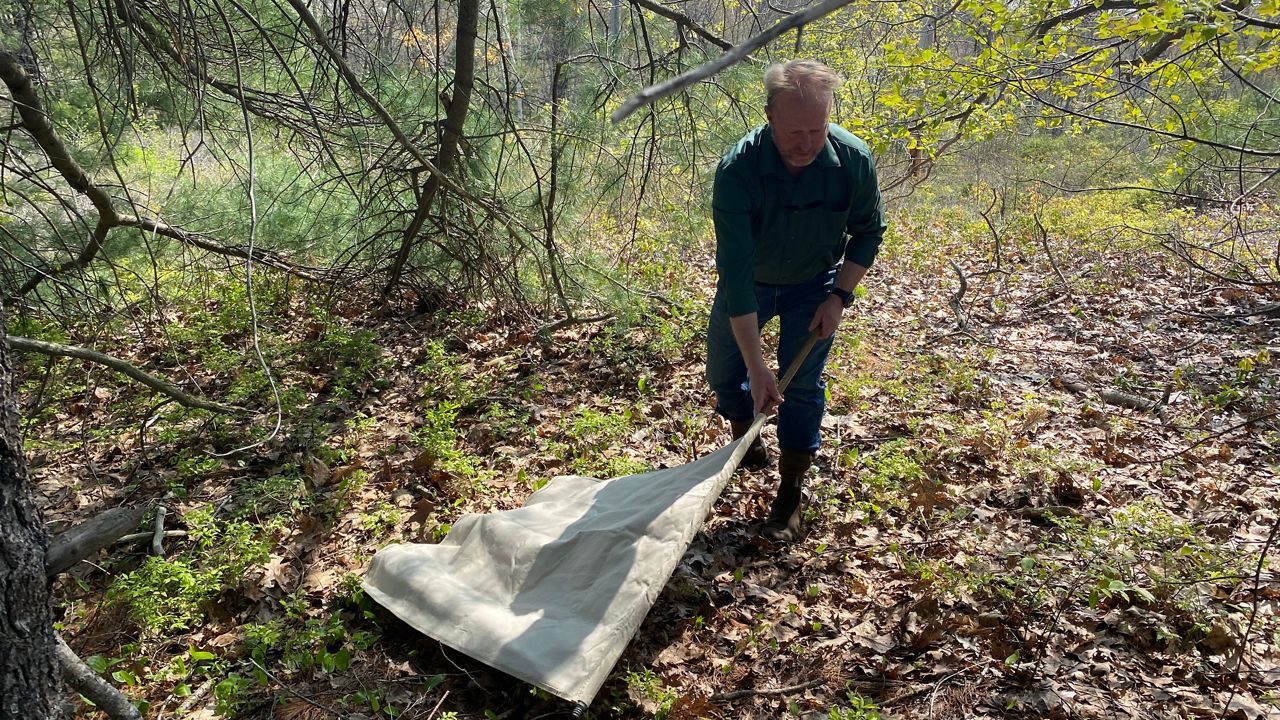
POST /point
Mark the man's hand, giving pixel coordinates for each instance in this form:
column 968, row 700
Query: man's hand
column 827, row 318
column 764, row 388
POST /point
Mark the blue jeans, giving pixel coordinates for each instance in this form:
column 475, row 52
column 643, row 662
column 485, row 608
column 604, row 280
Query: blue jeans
column 800, row 415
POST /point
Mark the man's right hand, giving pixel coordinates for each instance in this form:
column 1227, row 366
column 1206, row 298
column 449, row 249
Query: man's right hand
column 764, row 388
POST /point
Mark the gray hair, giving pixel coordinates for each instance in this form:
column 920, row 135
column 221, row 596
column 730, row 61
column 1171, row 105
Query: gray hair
column 802, row 76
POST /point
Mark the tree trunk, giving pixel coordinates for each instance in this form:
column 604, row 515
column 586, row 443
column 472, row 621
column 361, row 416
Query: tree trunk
column 464, row 62
column 30, row 682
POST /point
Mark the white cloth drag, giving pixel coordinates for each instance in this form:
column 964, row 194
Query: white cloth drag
column 552, row 592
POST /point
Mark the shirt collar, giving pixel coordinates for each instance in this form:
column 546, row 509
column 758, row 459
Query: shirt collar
column 828, row 156
column 771, row 162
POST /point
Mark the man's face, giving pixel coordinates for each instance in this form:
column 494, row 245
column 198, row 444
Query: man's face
column 799, row 125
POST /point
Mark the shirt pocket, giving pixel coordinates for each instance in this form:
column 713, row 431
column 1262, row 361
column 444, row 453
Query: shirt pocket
column 819, row 239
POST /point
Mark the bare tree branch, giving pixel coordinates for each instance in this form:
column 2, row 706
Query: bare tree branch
column 196, row 240
column 120, row 366
column 682, row 19
column 37, row 125
column 1076, row 13
column 730, row 58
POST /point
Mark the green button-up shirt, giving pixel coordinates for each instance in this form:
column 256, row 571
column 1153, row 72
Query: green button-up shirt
column 777, row 229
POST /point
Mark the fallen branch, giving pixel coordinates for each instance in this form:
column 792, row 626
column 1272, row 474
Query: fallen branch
column 289, row 689
column 196, row 696
column 1119, row 399
column 1045, row 511
column 569, row 321
column 730, row 58
column 1268, row 309
column 88, row 683
column 751, row 692
column 157, row 534
column 120, row 366
column 139, row 537
column 1209, row 438
column 89, row 537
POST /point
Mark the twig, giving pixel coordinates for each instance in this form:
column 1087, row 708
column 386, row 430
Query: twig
column 195, row 697
column 1204, row 440
column 1044, row 242
column 750, row 692
column 906, row 695
column 962, row 321
column 157, row 534
column 1253, row 614
column 295, row 693
column 566, row 322
column 438, row 704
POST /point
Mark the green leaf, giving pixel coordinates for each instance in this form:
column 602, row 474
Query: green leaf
column 98, row 663
column 432, row 683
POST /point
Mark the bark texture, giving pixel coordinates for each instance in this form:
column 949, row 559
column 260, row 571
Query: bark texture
column 30, row 684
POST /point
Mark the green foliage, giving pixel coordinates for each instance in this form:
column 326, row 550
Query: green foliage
column 444, row 376
column 374, row 701
column 650, row 689
column 438, row 437
column 163, row 595
column 306, row 645
column 860, row 708
column 380, row 520
column 593, row 443
column 354, row 358
column 1145, row 554
column 890, row 474
column 169, row 594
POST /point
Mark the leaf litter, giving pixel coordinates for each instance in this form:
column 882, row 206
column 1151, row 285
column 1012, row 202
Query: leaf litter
column 983, row 540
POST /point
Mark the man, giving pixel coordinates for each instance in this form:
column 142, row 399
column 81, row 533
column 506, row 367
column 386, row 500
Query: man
column 798, row 221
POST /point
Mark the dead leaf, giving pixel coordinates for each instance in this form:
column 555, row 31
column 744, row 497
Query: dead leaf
column 423, row 463
column 341, row 473
column 422, row 511
column 319, row 472
column 275, row 573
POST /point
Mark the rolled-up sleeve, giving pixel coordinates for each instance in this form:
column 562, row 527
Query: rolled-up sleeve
column 735, row 246
column 866, row 224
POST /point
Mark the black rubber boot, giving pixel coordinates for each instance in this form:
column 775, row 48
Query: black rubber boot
column 757, row 457
column 786, row 514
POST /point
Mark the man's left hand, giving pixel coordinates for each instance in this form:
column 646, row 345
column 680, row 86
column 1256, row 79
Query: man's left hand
column 827, row 318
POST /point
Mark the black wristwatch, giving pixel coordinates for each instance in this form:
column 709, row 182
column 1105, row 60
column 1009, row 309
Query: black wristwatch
column 846, row 297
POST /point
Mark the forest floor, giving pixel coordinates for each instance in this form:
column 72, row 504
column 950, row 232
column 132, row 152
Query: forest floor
column 998, row 527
